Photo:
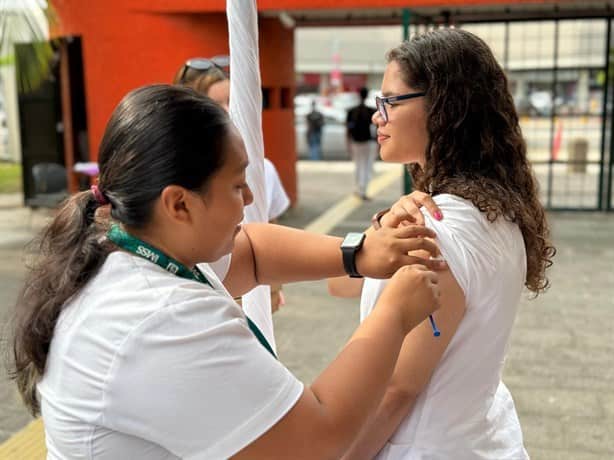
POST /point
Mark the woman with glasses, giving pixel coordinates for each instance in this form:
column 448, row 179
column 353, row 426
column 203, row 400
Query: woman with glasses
column 446, row 111
column 131, row 347
column 208, row 76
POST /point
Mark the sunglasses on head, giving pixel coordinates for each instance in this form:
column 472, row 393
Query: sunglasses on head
column 205, row 65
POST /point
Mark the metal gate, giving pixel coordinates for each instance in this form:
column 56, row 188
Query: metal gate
column 560, row 73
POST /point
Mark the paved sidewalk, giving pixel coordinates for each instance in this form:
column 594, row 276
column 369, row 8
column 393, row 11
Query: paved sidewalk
column 561, row 363
column 17, row 227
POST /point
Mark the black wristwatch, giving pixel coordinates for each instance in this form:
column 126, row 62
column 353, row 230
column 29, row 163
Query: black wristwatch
column 349, row 247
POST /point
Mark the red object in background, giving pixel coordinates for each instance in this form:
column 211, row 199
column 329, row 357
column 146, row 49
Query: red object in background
column 336, row 77
column 310, row 79
column 556, row 142
column 353, row 82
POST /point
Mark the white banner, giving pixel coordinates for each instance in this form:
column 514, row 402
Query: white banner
column 246, row 114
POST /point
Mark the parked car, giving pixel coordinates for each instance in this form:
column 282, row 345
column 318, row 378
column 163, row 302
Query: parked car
column 539, row 104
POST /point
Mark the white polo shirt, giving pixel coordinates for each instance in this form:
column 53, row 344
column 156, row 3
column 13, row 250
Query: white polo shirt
column 465, row 412
column 146, row 365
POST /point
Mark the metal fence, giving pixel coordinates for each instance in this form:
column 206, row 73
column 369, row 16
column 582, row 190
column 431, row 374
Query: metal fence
column 560, row 74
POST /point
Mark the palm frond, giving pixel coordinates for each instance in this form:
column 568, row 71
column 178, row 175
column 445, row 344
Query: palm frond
column 21, row 22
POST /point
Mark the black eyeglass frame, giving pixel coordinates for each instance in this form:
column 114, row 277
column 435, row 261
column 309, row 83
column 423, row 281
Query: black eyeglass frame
column 380, row 102
column 204, row 65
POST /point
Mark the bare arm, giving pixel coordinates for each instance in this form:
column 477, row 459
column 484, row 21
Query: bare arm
column 330, row 413
column 420, row 354
column 268, row 254
column 344, row 286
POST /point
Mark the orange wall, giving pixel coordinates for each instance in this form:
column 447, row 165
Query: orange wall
column 220, row 5
column 125, row 46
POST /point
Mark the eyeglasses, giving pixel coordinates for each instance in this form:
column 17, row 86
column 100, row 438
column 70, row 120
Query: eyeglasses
column 381, row 102
column 204, row 65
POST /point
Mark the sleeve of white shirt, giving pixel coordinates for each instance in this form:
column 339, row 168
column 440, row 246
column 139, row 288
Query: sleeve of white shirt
column 220, row 267
column 463, row 236
column 277, row 198
column 194, row 379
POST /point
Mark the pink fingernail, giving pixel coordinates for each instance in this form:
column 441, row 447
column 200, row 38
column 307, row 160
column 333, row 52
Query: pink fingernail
column 438, row 215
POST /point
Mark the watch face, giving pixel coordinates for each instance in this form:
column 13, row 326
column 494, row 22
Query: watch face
column 352, row 240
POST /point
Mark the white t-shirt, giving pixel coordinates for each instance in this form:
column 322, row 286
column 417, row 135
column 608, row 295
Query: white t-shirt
column 146, row 365
column 277, row 200
column 465, row 412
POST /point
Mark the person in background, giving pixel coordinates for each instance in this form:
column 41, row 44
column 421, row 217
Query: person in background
column 210, row 77
column 361, row 147
column 315, row 123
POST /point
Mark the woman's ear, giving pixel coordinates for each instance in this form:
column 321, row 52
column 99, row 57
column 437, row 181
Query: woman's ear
column 176, row 203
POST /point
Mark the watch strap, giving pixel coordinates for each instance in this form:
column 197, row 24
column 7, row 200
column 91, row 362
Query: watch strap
column 349, row 262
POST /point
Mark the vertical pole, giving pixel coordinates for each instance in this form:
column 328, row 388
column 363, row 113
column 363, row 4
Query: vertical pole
column 553, row 114
column 407, row 185
column 603, row 198
column 506, row 48
column 65, row 88
column 610, row 162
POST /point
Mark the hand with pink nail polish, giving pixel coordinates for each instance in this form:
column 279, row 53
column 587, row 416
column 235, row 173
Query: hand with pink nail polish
column 407, row 210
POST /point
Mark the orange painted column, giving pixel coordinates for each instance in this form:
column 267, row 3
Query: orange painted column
column 278, row 80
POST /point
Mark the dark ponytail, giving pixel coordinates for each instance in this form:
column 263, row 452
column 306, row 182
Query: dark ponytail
column 158, row 135
column 67, row 254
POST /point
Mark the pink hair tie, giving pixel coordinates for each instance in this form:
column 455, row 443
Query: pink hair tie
column 100, row 198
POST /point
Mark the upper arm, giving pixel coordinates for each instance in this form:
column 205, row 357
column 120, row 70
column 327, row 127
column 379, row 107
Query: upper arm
column 421, row 351
column 241, row 276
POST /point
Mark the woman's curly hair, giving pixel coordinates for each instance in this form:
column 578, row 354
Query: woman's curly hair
column 476, row 150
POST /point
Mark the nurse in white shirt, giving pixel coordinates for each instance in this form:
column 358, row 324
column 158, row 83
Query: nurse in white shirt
column 127, row 339
column 446, row 110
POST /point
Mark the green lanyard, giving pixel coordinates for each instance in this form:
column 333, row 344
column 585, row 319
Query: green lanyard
column 148, row 252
